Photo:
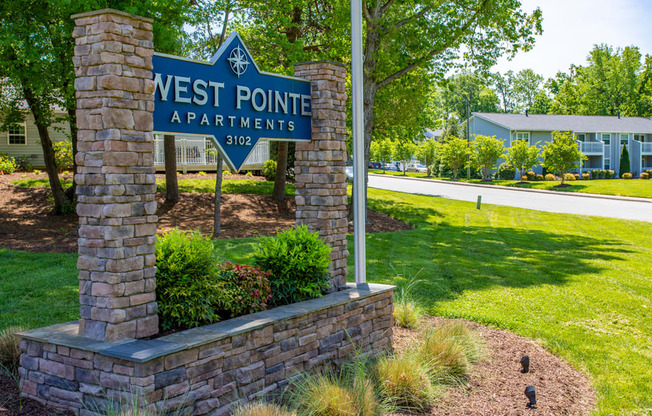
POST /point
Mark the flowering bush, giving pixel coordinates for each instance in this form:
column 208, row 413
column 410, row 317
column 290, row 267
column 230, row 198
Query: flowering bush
column 550, row 177
column 586, row 176
column 645, row 175
column 243, row 289
column 7, row 163
column 627, row 175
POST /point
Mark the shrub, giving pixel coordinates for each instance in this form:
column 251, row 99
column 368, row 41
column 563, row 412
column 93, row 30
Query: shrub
column 269, row 170
column 186, row 284
column 404, row 382
column 627, row 175
column 9, row 348
column 569, row 177
column 243, row 289
column 24, row 164
column 201, row 173
column 549, row 177
column 595, row 174
column 577, row 176
column 249, row 173
column 610, row 174
column 645, row 175
column 298, row 261
column 529, row 176
column 506, row 174
column 262, row 409
column 326, row 395
column 586, row 176
column 406, row 312
column 63, row 156
column 538, row 177
column 450, row 348
column 7, row 164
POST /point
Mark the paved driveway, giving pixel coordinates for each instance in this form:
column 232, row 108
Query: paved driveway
column 542, row 201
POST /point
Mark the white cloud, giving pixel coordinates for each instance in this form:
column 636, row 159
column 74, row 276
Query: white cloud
column 572, row 27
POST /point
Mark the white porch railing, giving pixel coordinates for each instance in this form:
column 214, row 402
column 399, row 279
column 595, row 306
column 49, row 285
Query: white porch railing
column 646, row 148
column 592, row 147
column 193, row 151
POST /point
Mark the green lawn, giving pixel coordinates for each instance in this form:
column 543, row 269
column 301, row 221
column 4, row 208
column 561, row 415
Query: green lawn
column 229, row 186
column 619, row 187
column 580, row 286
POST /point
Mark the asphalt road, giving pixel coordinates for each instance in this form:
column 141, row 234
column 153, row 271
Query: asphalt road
column 570, row 204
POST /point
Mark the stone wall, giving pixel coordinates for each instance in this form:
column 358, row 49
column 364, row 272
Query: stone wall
column 115, row 175
column 210, row 369
column 319, row 166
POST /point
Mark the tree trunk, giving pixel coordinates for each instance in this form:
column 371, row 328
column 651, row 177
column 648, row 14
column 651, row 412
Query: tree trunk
column 171, row 183
column 281, row 167
column 72, row 120
column 217, row 228
column 60, row 199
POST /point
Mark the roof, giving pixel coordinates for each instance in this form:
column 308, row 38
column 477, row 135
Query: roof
column 582, row 124
column 433, row 134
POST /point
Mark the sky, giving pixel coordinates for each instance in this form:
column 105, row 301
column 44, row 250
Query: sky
column 572, row 27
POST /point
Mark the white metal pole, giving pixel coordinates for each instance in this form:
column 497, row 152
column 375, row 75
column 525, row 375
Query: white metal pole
column 359, row 187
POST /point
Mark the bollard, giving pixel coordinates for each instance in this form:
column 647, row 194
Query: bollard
column 479, row 204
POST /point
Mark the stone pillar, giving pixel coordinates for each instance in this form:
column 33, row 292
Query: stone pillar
column 115, row 175
column 319, row 167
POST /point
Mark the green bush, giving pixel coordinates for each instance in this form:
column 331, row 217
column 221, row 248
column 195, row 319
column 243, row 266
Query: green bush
column 586, row 176
column 269, row 170
column 610, row 174
column 595, row 174
column 538, row 177
column 569, row 177
column 506, row 174
column 7, row 164
column 298, row 261
column 243, row 289
column 186, row 280
column 645, row 175
column 63, row 156
column 549, row 177
column 404, row 382
column 627, row 175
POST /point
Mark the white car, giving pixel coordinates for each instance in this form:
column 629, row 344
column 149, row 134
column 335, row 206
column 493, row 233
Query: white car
column 417, row 167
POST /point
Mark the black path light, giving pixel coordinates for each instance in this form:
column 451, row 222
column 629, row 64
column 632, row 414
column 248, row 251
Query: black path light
column 531, row 396
column 525, row 363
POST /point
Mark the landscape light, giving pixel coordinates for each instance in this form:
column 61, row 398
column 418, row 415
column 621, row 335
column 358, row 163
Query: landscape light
column 525, row 363
column 531, row 396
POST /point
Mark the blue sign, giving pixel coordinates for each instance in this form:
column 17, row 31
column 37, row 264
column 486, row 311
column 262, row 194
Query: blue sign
column 229, row 100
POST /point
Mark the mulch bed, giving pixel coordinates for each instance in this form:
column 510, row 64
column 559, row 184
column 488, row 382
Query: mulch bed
column 26, row 223
column 496, row 386
column 11, row 404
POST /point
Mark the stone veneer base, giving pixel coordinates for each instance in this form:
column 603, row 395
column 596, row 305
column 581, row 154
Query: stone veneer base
column 205, row 370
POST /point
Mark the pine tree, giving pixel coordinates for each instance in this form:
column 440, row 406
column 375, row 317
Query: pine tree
column 624, row 162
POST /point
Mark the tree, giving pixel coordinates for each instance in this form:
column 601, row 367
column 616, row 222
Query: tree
column 36, row 49
column 521, row 157
column 404, row 151
column 562, row 154
column 542, row 103
column 468, row 87
column 427, row 152
column 610, row 84
column 504, row 85
column 624, row 162
column 485, row 152
column 455, row 153
column 383, row 152
column 527, row 84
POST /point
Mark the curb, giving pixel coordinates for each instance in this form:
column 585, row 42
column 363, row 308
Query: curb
column 513, row 188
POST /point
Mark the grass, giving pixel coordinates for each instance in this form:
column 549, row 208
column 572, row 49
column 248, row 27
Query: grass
column 617, row 187
column 229, row 186
column 580, row 286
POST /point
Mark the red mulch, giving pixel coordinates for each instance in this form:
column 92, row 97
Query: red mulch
column 26, row 223
column 496, row 386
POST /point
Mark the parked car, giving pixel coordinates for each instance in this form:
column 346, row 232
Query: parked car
column 375, row 165
column 390, row 166
column 417, row 167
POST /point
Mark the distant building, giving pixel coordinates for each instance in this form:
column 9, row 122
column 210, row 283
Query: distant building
column 193, row 153
column 600, row 138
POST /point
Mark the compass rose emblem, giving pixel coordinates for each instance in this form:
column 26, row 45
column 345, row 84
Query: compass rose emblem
column 238, row 61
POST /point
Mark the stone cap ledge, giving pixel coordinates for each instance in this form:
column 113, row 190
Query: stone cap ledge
column 141, row 351
column 111, row 11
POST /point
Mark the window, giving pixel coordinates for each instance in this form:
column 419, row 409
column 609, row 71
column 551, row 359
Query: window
column 522, row 136
column 581, row 137
column 624, row 139
column 606, row 138
column 16, row 135
column 607, row 164
column 639, row 137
